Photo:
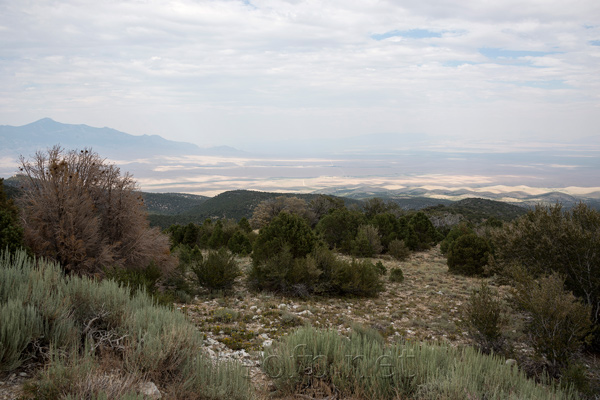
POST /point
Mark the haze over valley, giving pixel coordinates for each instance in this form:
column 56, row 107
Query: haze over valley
column 378, row 164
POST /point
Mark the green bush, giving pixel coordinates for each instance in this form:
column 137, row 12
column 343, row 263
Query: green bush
column 11, row 231
column 282, row 273
column 484, row 319
column 145, row 279
column 319, row 272
column 339, row 228
column 356, row 278
column 399, row 250
column 559, row 324
column 285, row 230
column 396, row 275
column 367, row 242
column 381, row 269
column 456, row 232
column 575, row 376
column 218, row 271
column 239, row 244
column 468, row 255
column 426, row 235
column 363, row 367
column 388, row 226
column 550, row 239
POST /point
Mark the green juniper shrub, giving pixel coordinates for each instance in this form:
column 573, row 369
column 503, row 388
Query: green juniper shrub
column 484, row 319
column 11, row 231
column 339, row 228
column 399, row 250
column 396, row 275
column 244, row 225
column 493, row 222
column 282, row 273
column 559, row 324
column 285, row 230
column 381, row 269
column 574, row 375
column 240, row 244
column 468, row 255
column 367, row 242
column 341, row 278
column 388, row 226
column 456, row 231
column 375, row 206
column 356, row 278
column 320, row 272
column 191, row 234
column 217, row 271
column 217, row 238
column 178, row 281
column 424, row 231
column 143, row 279
column 205, row 234
column 551, row 239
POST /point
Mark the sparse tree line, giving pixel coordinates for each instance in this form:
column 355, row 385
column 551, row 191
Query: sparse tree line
column 81, row 212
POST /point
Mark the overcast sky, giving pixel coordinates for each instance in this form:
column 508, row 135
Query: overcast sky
column 225, row 72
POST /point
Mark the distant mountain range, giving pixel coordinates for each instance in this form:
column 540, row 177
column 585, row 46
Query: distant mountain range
column 166, row 209
column 27, row 139
column 411, row 198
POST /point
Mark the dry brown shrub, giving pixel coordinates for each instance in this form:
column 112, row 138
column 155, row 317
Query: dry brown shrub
column 80, row 211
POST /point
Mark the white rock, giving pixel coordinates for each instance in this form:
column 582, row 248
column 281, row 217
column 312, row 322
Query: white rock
column 253, row 308
column 511, row 361
column 282, row 306
column 268, row 343
column 305, row 312
column 150, row 390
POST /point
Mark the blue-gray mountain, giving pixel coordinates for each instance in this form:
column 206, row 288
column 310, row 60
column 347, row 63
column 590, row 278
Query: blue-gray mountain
column 107, row 142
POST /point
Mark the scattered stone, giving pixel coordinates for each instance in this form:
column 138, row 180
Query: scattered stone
column 511, row 361
column 305, row 312
column 150, row 390
column 282, row 306
column 23, row 374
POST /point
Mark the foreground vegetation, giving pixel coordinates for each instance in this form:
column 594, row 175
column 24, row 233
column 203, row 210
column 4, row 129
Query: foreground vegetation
column 97, row 304
column 97, row 341
column 323, row 362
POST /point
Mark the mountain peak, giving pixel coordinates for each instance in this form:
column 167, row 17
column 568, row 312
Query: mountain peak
column 44, row 121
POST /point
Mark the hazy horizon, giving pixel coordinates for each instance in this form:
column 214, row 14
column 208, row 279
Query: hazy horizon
column 371, row 163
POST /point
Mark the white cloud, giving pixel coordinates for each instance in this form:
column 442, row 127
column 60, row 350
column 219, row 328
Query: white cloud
column 218, row 71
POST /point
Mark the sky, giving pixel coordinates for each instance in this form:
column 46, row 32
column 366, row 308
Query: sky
column 235, row 72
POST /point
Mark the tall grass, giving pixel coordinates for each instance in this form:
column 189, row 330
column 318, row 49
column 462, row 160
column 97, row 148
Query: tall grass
column 76, row 324
column 363, row 367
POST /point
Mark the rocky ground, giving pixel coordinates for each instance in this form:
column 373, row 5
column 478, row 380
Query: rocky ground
column 426, row 306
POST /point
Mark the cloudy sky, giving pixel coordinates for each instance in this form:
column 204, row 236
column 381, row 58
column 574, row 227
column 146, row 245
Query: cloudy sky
column 229, row 72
